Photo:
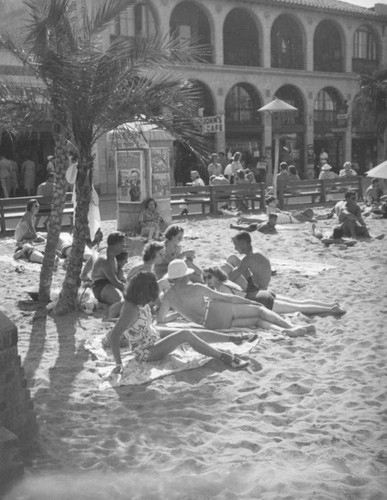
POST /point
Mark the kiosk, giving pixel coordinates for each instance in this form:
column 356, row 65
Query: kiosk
column 141, row 154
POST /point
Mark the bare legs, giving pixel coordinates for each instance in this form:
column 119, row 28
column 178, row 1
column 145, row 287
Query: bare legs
column 172, row 341
column 284, row 305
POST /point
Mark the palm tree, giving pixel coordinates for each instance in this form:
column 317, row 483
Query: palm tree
column 370, row 104
column 91, row 92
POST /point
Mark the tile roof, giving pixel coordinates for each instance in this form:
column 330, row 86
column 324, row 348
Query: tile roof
column 326, row 5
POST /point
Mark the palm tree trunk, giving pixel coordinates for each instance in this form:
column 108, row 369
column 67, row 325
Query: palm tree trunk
column 55, row 222
column 68, row 297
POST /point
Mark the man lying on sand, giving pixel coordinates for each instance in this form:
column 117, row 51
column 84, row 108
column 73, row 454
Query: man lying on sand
column 216, row 279
column 265, row 227
column 215, row 310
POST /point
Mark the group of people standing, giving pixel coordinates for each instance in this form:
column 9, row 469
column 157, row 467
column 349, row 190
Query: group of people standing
column 21, row 181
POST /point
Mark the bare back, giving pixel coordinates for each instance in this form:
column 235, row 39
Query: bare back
column 259, row 266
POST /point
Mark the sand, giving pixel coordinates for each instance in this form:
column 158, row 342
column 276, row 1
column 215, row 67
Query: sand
column 306, row 420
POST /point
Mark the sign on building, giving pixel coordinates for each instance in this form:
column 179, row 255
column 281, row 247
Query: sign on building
column 212, row 124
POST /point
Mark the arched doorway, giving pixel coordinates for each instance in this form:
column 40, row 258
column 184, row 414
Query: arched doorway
column 291, row 128
column 329, row 126
column 286, row 44
column 241, row 39
column 184, row 159
column 189, row 20
column 244, row 123
column 328, row 52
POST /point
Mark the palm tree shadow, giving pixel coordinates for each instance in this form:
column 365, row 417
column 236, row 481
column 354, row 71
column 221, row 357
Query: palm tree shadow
column 36, row 345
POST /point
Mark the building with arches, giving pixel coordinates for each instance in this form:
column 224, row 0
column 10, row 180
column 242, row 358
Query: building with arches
column 307, row 52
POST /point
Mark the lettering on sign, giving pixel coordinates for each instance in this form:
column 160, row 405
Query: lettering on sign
column 212, row 124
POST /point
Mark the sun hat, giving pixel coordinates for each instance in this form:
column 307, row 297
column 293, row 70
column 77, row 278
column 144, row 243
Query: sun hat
column 326, row 167
column 177, row 268
column 50, row 157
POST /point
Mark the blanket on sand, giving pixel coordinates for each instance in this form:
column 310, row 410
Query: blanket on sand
column 137, row 373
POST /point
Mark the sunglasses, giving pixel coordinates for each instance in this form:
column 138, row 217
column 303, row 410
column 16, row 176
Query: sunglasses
column 207, row 277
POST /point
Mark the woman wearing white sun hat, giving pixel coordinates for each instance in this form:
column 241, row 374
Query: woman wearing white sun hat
column 326, row 172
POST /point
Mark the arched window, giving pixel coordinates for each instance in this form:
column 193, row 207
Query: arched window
column 240, row 39
column 241, row 105
column 286, row 44
column 328, row 50
column 325, row 107
column 188, row 20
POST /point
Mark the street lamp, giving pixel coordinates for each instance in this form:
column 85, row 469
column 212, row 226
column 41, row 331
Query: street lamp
column 276, row 106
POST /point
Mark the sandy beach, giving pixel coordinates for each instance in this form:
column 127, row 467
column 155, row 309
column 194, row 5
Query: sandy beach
column 306, row 420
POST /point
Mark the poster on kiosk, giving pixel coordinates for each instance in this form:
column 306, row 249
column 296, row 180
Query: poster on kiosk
column 143, row 171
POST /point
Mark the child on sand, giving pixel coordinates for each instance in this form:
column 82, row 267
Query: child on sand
column 135, row 322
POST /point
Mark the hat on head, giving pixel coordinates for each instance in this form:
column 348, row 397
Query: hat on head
column 177, row 268
column 50, row 157
column 326, row 167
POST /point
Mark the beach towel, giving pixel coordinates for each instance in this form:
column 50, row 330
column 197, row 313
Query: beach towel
column 137, row 373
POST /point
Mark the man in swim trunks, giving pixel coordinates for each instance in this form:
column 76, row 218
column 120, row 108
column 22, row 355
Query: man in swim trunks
column 215, row 310
column 254, row 267
column 107, row 287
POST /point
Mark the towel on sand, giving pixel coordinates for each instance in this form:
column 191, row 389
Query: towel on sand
column 136, row 373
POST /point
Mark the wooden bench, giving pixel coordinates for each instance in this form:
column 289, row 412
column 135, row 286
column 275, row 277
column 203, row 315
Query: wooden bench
column 182, row 196
column 308, row 191
column 334, row 189
column 251, row 194
column 12, row 209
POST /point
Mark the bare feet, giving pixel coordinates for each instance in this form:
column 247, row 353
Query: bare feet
column 336, row 309
column 300, row 331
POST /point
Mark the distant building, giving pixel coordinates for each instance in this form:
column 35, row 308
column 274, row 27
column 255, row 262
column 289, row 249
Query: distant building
column 306, row 52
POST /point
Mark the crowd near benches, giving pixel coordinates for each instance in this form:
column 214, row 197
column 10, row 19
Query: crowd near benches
column 303, row 192
column 12, row 209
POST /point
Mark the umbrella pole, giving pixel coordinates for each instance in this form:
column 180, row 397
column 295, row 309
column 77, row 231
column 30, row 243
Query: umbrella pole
column 276, row 161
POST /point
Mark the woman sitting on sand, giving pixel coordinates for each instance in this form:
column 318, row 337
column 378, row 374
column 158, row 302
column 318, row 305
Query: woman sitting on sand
column 172, row 250
column 151, row 222
column 216, row 279
column 25, row 230
column 215, row 310
column 136, row 324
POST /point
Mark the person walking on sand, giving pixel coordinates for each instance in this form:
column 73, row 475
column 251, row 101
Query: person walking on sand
column 215, row 310
column 136, row 324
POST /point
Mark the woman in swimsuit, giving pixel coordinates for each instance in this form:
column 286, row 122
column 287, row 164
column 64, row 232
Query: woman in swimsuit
column 25, row 230
column 216, row 279
column 135, row 322
column 215, row 310
column 173, row 237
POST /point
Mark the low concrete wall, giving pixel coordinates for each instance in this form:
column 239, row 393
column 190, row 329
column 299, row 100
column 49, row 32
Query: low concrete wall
column 17, row 419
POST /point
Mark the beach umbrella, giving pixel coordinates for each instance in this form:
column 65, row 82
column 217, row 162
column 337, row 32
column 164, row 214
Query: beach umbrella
column 277, row 106
column 379, row 171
